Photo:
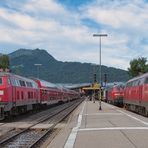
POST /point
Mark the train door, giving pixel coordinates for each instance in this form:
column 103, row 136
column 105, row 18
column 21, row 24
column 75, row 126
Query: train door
column 13, row 86
column 140, row 83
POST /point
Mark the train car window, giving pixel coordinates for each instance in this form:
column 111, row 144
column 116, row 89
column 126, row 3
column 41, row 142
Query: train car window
column 139, row 82
column 130, row 84
column 118, row 87
column 133, row 83
column 13, row 82
column 146, row 80
column 127, row 84
column 34, row 85
column 122, row 86
column 142, row 81
column 29, row 84
column 1, row 81
column 17, row 83
column 136, row 83
column 22, row 83
column 9, row 82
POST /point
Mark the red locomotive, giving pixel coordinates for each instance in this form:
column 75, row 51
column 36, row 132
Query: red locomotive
column 136, row 94
column 19, row 94
column 115, row 95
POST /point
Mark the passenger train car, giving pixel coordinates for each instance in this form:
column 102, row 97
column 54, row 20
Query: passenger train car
column 115, row 94
column 49, row 92
column 136, row 94
column 19, row 94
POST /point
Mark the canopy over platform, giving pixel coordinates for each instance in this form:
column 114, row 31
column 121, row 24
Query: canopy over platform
column 95, row 86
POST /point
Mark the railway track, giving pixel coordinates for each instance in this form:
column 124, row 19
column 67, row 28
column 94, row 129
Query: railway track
column 33, row 136
column 29, row 120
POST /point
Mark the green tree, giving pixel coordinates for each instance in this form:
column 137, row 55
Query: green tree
column 4, row 62
column 138, row 66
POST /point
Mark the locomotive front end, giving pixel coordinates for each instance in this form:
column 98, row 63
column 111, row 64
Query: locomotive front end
column 2, row 104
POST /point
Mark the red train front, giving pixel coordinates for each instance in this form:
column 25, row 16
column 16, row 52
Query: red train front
column 17, row 94
column 115, row 95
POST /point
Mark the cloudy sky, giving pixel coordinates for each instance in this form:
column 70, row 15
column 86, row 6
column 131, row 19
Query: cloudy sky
column 65, row 29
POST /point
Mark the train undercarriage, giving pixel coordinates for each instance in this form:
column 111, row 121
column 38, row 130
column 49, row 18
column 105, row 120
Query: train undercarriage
column 141, row 109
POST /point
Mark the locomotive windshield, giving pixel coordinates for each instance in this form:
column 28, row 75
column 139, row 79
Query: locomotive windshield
column 0, row 81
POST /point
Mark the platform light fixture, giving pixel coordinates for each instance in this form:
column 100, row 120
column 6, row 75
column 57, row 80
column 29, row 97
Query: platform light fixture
column 100, row 36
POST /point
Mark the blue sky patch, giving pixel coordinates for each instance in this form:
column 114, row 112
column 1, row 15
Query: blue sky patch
column 74, row 4
column 91, row 24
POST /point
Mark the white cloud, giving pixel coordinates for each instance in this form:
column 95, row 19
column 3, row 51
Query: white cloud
column 47, row 24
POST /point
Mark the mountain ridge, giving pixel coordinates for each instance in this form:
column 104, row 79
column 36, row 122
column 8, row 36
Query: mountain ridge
column 57, row 71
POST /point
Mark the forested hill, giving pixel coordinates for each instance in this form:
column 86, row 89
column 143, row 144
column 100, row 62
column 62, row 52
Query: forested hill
column 23, row 60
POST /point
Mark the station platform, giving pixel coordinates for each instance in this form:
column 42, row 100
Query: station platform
column 111, row 127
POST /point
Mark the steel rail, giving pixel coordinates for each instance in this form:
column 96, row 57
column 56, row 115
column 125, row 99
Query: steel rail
column 52, row 127
column 65, row 106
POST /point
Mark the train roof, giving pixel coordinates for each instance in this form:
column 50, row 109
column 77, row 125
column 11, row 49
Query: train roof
column 47, row 84
column 5, row 73
column 139, row 77
column 17, row 76
column 53, row 86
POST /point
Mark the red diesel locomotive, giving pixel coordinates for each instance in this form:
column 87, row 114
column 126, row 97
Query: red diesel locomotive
column 136, row 94
column 115, row 95
column 19, row 94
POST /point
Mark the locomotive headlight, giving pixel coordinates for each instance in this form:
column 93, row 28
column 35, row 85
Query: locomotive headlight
column 1, row 92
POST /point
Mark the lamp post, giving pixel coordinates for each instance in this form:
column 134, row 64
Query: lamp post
column 38, row 70
column 100, row 36
column 18, row 68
